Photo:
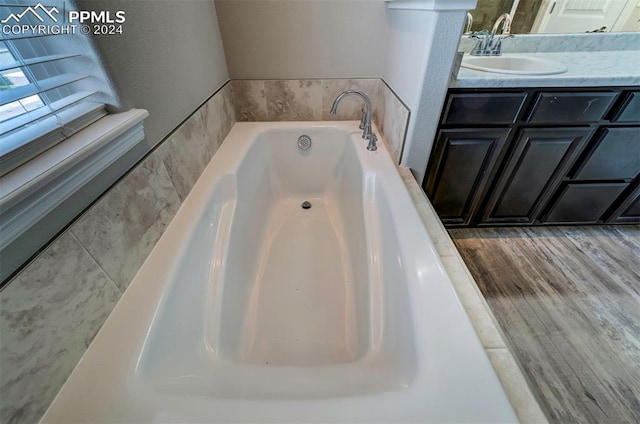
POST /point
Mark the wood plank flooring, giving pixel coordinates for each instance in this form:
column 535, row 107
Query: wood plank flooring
column 568, row 300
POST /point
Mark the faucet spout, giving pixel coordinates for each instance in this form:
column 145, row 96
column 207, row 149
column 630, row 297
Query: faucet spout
column 365, row 123
column 367, row 102
column 506, row 26
column 469, row 23
column 490, row 44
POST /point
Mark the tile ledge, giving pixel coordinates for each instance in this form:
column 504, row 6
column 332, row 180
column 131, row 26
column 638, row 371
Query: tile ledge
column 508, row 369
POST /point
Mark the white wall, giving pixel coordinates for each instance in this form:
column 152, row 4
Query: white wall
column 422, row 42
column 168, row 60
column 297, row 39
column 408, row 44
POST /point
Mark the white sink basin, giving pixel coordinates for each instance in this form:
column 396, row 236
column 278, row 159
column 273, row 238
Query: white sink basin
column 517, row 65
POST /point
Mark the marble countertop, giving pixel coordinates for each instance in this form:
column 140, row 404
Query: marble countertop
column 584, row 69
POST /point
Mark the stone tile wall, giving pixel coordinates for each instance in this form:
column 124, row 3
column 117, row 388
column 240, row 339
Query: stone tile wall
column 311, row 100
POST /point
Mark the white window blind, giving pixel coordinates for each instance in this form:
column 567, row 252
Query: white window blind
column 50, row 85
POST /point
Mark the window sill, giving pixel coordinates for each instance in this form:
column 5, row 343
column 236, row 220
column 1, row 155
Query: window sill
column 42, row 196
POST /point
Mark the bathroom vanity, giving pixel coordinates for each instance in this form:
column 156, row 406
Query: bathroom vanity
column 537, row 150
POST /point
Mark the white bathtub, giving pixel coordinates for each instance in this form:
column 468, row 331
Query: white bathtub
column 253, row 309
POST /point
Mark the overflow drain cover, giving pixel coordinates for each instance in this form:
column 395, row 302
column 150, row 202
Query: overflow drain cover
column 306, row 205
column 304, row 142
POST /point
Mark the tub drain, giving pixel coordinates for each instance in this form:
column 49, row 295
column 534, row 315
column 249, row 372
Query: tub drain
column 306, row 205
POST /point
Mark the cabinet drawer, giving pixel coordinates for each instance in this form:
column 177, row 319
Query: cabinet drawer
column 482, row 108
column 570, row 107
column 614, row 155
column 629, row 110
column 583, row 203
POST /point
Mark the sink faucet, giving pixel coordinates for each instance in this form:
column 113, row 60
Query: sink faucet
column 365, row 122
column 490, row 44
column 468, row 24
column 506, row 26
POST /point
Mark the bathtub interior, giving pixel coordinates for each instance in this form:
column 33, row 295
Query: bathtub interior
column 298, row 292
column 275, row 300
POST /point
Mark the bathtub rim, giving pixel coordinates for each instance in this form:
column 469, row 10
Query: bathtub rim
column 86, row 369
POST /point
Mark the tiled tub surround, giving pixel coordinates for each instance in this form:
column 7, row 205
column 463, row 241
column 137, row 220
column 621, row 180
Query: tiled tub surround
column 50, row 312
column 311, row 99
column 510, row 374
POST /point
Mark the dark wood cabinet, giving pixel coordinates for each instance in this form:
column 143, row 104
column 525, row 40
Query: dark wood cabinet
column 537, row 157
column 534, row 169
column 462, row 166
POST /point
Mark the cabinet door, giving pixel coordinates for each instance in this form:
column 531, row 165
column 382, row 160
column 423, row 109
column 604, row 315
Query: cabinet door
column 462, row 163
column 539, row 160
column 614, row 155
column 583, row 203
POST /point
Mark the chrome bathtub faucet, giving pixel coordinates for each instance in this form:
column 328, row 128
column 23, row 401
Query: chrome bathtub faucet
column 490, row 44
column 365, row 122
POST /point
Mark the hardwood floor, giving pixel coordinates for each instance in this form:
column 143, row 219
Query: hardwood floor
column 568, row 300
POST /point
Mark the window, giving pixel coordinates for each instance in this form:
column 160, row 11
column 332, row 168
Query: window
column 52, row 86
column 49, row 87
